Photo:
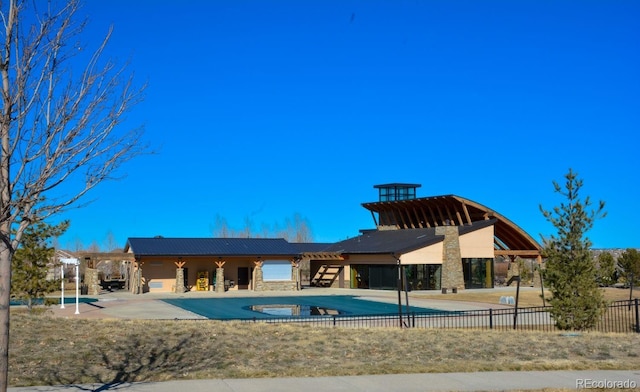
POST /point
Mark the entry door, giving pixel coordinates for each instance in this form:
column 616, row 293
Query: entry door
column 243, row 278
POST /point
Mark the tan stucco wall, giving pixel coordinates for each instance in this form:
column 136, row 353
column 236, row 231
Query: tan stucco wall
column 162, row 272
column 477, row 244
column 427, row 255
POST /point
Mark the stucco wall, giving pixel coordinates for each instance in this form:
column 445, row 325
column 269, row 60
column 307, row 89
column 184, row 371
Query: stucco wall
column 478, row 243
column 427, row 255
column 159, row 274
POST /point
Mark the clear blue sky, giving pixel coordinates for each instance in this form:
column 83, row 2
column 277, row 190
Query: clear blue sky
column 264, row 109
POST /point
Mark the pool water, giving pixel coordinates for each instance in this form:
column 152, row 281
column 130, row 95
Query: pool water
column 53, row 301
column 275, row 307
column 283, row 310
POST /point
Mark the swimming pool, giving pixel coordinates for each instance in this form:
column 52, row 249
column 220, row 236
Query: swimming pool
column 279, row 307
column 53, row 301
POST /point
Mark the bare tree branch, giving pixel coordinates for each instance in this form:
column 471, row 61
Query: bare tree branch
column 60, row 131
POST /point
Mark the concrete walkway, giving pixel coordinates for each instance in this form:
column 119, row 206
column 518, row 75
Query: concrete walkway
column 483, row 381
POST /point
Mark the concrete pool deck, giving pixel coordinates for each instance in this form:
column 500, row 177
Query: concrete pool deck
column 149, row 306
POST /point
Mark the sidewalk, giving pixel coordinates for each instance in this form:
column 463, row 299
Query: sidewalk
column 429, row 382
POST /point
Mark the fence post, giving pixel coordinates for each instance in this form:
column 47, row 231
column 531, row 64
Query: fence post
column 490, row 318
column 334, row 320
column 637, row 317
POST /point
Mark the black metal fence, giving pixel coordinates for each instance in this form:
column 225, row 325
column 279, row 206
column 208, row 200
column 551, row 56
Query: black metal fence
column 619, row 316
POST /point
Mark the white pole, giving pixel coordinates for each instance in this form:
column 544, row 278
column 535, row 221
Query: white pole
column 77, row 288
column 62, row 285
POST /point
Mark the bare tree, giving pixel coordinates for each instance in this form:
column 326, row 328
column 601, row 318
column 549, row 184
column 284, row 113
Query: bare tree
column 296, row 229
column 110, row 242
column 58, row 125
column 94, row 247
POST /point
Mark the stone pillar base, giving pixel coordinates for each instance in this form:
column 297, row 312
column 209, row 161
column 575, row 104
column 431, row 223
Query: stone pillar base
column 219, row 280
column 179, row 288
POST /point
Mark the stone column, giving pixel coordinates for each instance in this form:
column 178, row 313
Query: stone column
column 537, row 279
column 92, row 281
column 259, row 282
column 295, row 273
column 514, row 268
column 219, row 280
column 452, row 275
column 179, row 288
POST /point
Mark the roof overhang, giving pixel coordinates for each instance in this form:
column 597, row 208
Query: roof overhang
column 426, row 212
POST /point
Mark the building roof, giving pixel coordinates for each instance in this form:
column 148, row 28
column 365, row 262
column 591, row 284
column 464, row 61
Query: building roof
column 397, row 184
column 397, row 241
column 311, row 247
column 429, row 212
column 160, row 246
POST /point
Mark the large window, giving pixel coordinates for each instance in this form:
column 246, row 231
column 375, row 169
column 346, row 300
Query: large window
column 377, row 277
column 424, row 276
column 478, row 273
column 276, row 270
column 385, row 277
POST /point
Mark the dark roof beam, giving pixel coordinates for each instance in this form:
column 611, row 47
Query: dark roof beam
column 424, row 216
column 442, row 218
column 433, row 216
column 466, row 213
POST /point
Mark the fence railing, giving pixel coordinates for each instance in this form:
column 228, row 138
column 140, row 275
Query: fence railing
column 619, row 316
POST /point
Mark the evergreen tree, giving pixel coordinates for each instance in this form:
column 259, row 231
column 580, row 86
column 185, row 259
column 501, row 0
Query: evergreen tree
column 32, row 261
column 629, row 263
column 577, row 301
column 606, row 269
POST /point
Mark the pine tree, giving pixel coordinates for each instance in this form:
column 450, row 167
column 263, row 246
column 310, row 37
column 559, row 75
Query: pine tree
column 629, row 263
column 577, row 301
column 32, row 261
column 606, row 269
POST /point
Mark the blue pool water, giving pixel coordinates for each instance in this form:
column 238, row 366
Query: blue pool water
column 278, row 307
column 67, row 300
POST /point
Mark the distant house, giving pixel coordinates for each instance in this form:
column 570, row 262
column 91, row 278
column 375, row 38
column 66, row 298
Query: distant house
column 442, row 242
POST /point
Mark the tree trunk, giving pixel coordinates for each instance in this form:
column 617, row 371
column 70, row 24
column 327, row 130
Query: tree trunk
column 5, row 297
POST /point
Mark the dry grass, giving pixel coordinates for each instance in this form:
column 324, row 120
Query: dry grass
column 46, row 350
column 526, row 298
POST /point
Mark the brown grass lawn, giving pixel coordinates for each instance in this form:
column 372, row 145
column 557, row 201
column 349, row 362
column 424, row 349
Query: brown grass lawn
column 527, row 297
column 47, row 350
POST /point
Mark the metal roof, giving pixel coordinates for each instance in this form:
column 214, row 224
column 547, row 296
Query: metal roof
column 160, row 246
column 311, row 247
column 397, row 241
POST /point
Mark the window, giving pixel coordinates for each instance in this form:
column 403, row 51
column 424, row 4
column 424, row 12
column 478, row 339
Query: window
column 276, row 270
column 478, row 273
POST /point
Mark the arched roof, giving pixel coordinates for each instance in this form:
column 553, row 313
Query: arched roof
column 509, row 238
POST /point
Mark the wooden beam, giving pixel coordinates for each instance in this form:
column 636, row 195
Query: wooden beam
column 424, row 216
column 511, row 252
column 433, row 216
column 417, row 217
column 442, row 218
column 180, row 264
column 466, row 213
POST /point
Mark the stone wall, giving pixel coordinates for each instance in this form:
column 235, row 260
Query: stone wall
column 92, row 281
column 261, row 285
column 452, row 275
column 284, row 285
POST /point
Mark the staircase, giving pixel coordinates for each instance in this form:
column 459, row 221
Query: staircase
column 326, row 275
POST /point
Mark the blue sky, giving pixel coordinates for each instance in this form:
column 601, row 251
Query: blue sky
column 265, row 109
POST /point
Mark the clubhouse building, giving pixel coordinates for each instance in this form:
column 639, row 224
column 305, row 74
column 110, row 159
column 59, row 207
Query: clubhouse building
column 433, row 243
